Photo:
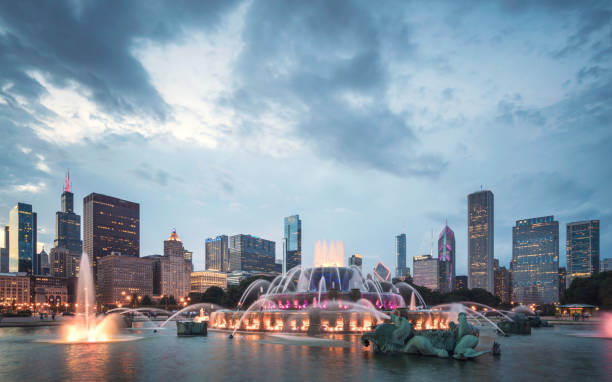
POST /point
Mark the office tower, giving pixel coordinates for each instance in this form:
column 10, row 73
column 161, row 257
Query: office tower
column 22, row 239
column 461, row 282
column 425, row 272
column 189, row 256
column 562, row 281
column 606, row 264
column 4, row 252
column 121, row 277
column 582, row 249
column 175, row 270
column 293, row 242
column 217, row 253
column 446, row 260
column 480, row 240
column 156, row 268
column 43, row 262
column 62, row 263
column 400, row 256
column 251, row 254
column 110, row 225
column 67, row 223
column 503, row 284
column 202, row 280
column 356, row 260
column 535, row 261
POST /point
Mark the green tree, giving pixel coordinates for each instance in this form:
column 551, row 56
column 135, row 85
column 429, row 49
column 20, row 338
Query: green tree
column 214, row 295
column 595, row 290
column 146, row 301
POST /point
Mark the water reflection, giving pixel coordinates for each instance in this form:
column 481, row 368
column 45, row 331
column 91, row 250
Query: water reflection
column 549, row 354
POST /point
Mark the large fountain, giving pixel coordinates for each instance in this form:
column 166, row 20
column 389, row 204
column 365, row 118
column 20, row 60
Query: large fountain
column 328, row 297
column 86, row 326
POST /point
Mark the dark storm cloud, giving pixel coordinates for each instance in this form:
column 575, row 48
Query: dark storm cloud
column 326, row 62
column 90, row 43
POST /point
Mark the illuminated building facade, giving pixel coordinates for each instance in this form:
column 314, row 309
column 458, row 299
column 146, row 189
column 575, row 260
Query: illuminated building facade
column 49, row 290
column 535, row 260
column 356, row 260
column 293, row 242
column 22, row 239
column 62, row 263
column 446, row 260
column 425, row 271
column 110, row 225
column 202, row 280
column 401, row 270
column 121, row 276
column 251, row 254
column 503, row 284
column 582, row 249
column 480, row 240
column 14, row 288
column 67, row 223
column 461, row 282
column 217, row 253
column 175, row 271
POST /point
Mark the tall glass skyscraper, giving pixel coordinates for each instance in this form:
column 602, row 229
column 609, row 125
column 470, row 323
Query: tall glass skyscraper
column 251, row 254
column 480, row 240
column 446, row 260
column 401, row 270
column 22, row 239
column 217, row 253
column 67, row 223
column 110, row 225
column 582, row 249
column 535, row 260
column 292, row 242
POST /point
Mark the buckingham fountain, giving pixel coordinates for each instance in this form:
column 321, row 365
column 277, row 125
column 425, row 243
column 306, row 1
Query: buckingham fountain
column 332, row 298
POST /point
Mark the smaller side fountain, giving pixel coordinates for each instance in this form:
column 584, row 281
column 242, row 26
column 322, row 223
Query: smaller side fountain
column 196, row 327
column 87, row 327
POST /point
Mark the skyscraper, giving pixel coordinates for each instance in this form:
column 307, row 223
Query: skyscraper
column 110, row 225
column 535, row 260
column 606, row 265
column 175, row 275
column 356, row 260
column 67, row 223
column 22, row 239
column 425, row 271
column 251, row 254
column 446, row 260
column 582, row 249
column 503, row 284
column 400, row 256
column 4, row 252
column 480, row 240
column 217, row 253
column 293, row 242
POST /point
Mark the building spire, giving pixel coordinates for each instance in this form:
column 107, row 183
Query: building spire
column 67, row 184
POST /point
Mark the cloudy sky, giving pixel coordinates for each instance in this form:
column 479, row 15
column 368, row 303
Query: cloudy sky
column 367, row 119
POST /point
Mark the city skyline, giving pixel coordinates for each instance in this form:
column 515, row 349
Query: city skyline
column 410, row 115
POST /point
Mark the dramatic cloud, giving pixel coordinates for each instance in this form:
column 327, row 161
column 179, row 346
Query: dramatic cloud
column 368, row 120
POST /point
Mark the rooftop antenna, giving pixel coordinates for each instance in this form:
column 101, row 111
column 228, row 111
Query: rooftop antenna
column 67, row 184
column 481, row 187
